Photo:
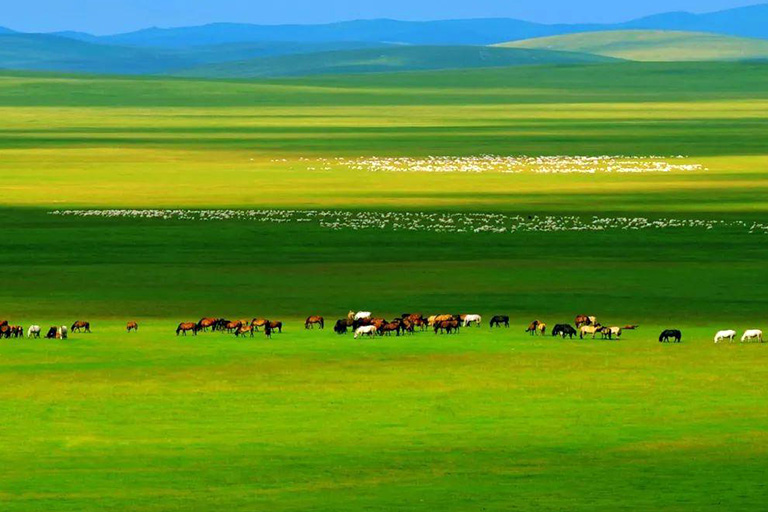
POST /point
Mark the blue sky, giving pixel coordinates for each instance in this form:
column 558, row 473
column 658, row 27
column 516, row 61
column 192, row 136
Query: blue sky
column 110, row 16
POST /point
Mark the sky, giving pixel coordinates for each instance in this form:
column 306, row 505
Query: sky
column 113, row 16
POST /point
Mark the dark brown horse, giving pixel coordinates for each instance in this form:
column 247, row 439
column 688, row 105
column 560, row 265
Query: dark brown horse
column 17, row 331
column 389, row 328
column 312, row 320
column 447, row 326
column 341, row 325
column 274, row 325
column 498, row 320
column 81, row 326
column 185, row 327
column 132, row 326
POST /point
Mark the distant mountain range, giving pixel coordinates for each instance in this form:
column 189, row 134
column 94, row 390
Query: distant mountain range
column 239, row 50
column 744, row 21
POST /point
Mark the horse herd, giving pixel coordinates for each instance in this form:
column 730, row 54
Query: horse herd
column 237, row 327
column 364, row 323
column 59, row 332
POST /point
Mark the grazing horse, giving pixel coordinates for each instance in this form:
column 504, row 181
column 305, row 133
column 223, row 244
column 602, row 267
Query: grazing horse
column 725, row 335
column 585, row 320
column 448, row 326
column 366, row 330
column 132, row 326
column 233, row 326
column 752, row 334
column 185, row 327
column 564, row 330
column 275, row 325
column 536, row 328
column 362, row 314
column 259, row 322
column 498, row 320
column 33, row 331
column 80, row 325
column 670, row 334
column 589, row 329
column 205, row 323
column 389, row 328
column 469, row 319
column 52, row 333
column 5, row 331
column 610, row 332
column 61, row 332
column 242, row 330
column 312, row 320
column 341, row 326
column 17, row 331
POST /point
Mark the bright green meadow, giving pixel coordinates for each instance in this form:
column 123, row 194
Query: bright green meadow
column 481, row 420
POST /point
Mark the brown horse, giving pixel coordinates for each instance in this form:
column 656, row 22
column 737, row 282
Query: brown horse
column 274, row 325
column 185, row 327
column 3, row 323
column 630, row 327
column 206, row 323
column 17, row 331
column 245, row 329
column 389, row 328
column 132, row 326
column 259, row 322
column 537, row 327
column 80, row 325
column 312, row 320
column 233, row 326
column 584, row 320
column 447, row 326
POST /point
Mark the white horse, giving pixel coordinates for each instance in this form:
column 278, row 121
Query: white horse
column 725, row 335
column 752, row 334
column 33, row 331
column 362, row 314
column 61, row 332
column 468, row 319
column 366, row 330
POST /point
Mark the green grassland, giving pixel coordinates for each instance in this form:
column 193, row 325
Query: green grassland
column 390, row 59
column 485, row 419
column 653, row 45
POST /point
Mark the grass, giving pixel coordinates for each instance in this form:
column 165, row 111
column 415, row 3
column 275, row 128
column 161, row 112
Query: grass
column 389, row 59
column 309, row 420
column 653, row 45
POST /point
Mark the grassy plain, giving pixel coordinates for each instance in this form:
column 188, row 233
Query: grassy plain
column 490, row 420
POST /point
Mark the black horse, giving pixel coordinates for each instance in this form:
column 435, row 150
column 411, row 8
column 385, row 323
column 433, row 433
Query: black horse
column 51, row 334
column 564, row 330
column 341, row 326
column 498, row 320
column 670, row 334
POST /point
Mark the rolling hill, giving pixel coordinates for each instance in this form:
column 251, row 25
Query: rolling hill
column 404, row 58
column 42, row 52
column 653, row 45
